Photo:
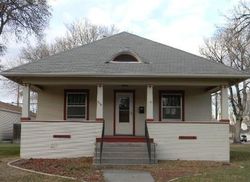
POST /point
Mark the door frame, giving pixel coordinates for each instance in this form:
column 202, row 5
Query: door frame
column 114, row 124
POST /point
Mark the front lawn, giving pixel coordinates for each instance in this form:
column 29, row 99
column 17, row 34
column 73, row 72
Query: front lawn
column 80, row 168
column 237, row 170
column 9, row 150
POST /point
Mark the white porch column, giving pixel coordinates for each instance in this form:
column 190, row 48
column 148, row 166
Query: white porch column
column 26, row 103
column 99, row 103
column 224, row 104
column 150, row 112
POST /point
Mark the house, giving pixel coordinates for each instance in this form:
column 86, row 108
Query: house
column 122, row 97
column 10, row 115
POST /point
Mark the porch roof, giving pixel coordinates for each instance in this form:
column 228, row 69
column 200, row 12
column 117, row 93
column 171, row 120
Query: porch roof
column 95, row 60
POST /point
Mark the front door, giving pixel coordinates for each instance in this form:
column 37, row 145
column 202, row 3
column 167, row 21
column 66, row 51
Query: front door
column 124, row 111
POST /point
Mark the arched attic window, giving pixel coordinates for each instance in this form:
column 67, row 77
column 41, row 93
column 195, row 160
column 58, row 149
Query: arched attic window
column 126, row 57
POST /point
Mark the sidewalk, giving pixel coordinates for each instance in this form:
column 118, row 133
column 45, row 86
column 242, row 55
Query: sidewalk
column 127, row 176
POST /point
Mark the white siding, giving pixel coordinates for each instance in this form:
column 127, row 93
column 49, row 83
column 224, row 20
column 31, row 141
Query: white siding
column 7, row 119
column 212, row 141
column 37, row 139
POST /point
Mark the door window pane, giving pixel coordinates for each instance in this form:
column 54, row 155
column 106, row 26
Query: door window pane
column 124, row 109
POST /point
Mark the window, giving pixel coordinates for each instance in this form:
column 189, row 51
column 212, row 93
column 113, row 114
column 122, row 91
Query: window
column 76, row 104
column 171, row 106
column 125, row 58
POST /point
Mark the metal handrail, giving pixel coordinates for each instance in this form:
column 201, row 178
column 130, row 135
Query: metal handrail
column 148, row 141
column 102, row 138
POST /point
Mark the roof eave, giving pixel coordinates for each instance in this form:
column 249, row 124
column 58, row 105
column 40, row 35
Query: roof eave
column 8, row 75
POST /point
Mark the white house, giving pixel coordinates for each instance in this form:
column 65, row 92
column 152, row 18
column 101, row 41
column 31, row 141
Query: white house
column 146, row 97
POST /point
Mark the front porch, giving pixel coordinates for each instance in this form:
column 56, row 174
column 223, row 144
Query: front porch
column 71, row 118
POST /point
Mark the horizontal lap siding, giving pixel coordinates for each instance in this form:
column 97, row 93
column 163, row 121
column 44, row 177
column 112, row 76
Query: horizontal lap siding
column 7, row 119
column 212, row 141
column 37, row 139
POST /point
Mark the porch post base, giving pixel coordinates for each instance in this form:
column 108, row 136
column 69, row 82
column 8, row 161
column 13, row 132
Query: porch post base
column 225, row 120
column 99, row 119
column 23, row 119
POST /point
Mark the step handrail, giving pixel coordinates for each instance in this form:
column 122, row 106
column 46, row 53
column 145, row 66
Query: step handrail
column 102, row 139
column 148, row 141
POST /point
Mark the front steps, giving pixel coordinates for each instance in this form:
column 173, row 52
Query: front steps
column 124, row 153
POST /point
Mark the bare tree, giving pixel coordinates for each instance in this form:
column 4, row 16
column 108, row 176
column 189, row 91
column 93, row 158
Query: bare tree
column 231, row 47
column 240, row 18
column 23, row 17
column 39, row 51
column 15, row 89
column 78, row 33
column 82, row 32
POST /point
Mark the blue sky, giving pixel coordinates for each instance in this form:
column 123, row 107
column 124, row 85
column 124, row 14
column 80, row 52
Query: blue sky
column 179, row 23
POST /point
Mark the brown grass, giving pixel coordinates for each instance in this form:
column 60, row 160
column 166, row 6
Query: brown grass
column 80, row 168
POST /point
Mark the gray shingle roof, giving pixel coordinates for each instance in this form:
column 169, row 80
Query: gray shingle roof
column 94, row 60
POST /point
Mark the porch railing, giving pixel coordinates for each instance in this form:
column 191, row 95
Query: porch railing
column 148, row 141
column 102, row 139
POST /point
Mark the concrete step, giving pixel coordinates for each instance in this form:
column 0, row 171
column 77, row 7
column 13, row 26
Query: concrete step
column 124, row 147
column 125, row 150
column 121, row 161
column 124, row 155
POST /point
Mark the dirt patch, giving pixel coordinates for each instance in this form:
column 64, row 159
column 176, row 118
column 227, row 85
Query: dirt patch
column 80, row 168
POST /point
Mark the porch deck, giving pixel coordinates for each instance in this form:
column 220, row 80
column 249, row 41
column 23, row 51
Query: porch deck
column 124, row 139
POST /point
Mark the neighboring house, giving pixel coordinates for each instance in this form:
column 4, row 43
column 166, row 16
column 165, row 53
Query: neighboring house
column 133, row 85
column 9, row 115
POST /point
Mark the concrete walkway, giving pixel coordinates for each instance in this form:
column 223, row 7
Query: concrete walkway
column 127, row 176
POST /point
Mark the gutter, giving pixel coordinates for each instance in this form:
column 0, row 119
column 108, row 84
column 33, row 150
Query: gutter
column 125, row 75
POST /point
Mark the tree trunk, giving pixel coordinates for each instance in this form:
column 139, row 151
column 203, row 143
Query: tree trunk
column 237, row 130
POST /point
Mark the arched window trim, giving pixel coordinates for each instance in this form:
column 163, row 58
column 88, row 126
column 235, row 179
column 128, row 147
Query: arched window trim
column 126, row 53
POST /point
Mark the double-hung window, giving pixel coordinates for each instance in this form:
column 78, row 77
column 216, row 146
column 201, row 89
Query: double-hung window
column 76, row 105
column 171, row 106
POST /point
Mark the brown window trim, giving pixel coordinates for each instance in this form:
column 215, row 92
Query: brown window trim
column 161, row 92
column 75, row 90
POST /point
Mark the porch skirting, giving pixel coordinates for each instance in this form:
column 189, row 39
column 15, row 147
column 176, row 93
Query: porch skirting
column 191, row 140
column 177, row 140
column 59, row 139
